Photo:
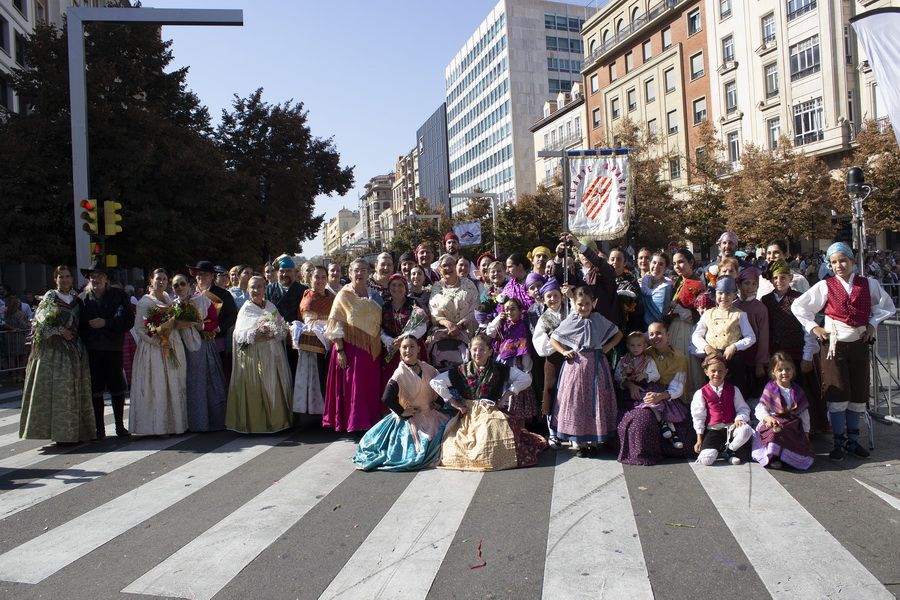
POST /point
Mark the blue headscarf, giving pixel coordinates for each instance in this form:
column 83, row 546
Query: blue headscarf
column 285, row 262
column 839, row 247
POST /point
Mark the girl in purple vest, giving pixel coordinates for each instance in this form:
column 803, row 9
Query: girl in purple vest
column 854, row 306
column 720, row 416
column 783, row 415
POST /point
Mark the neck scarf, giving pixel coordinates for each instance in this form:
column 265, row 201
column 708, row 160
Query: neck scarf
column 773, row 401
column 317, row 304
column 360, row 318
column 584, row 333
column 511, row 340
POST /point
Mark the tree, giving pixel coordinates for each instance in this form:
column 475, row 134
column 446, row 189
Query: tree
column 702, row 214
column 778, row 194
column 878, row 155
column 281, row 168
column 534, row 219
column 653, row 223
column 419, row 229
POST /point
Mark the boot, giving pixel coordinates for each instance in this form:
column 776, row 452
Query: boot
column 118, row 406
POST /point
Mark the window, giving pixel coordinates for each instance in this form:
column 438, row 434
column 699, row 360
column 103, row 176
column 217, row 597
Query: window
column 731, row 97
column 848, row 46
column 595, row 118
column 546, row 141
column 734, row 147
column 773, row 127
column 795, row 8
column 20, row 49
column 808, row 122
column 805, row 58
column 614, row 108
column 612, row 72
column 672, row 121
column 771, row 74
column 650, row 90
column 551, row 43
column 697, row 66
column 647, row 50
column 4, row 34
column 675, row 168
column 768, row 28
column 21, row 6
column 693, row 22
column 724, row 8
column 666, row 37
column 631, row 98
column 670, row 80
column 553, row 138
column 592, row 47
column 652, row 127
column 5, row 102
column 559, row 85
column 728, row 49
column 595, row 84
column 40, row 11
column 699, row 110
column 629, row 61
column 578, row 126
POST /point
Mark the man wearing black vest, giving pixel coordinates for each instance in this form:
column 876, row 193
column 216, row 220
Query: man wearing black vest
column 286, row 294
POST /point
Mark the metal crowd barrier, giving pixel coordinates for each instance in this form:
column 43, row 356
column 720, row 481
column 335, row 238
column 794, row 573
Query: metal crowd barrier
column 15, row 345
column 885, row 377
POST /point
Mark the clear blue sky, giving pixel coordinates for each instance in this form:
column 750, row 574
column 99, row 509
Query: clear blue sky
column 368, row 72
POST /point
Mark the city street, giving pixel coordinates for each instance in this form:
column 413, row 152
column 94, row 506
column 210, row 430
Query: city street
column 286, row 516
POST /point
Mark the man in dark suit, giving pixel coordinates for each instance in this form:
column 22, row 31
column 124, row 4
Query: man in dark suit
column 204, row 272
column 286, row 294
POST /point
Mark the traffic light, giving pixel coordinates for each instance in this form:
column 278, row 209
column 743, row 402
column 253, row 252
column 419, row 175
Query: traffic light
column 89, row 216
column 96, row 251
column 111, row 217
column 112, row 261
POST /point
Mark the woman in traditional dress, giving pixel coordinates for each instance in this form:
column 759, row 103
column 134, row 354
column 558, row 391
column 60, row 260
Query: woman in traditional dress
column 400, row 316
column 313, row 346
column 517, row 269
column 158, row 378
column 640, row 437
column 206, row 390
column 56, row 401
column 682, row 317
column 656, row 288
column 453, row 302
column 259, row 397
column 484, row 437
column 378, row 281
column 352, row 393
column 409, row 437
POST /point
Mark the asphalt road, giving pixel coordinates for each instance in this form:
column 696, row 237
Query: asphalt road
column 286, row 516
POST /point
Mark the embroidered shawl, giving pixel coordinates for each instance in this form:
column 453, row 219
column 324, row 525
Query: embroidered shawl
column 360, row 319
column 472, row 386
column 511, row 340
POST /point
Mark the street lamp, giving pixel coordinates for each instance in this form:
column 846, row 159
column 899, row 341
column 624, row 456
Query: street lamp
column 859, row 191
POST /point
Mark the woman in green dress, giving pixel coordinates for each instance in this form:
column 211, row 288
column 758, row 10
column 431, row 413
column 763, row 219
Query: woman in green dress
column 56, row 401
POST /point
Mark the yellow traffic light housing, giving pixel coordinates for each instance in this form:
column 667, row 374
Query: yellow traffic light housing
column 111, row 217
column 112, row 261
column 89, row 216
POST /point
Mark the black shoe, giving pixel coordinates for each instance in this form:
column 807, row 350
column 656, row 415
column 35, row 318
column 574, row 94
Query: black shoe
column 854, row 447
column 583, row 452
column 837, row 453
column 122, row 432
column 101, row 435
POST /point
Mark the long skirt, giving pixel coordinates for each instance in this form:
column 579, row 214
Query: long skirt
column 352, row 395
column 524, row 404
column 158, row 391
column 56, row 400
column 309, row 383
column 641, row 441
column 259, row 397
column 680, row 339
column 487, row 439
column 206, row 391
column 396, row 444
column 789, row 444
column 586, row 400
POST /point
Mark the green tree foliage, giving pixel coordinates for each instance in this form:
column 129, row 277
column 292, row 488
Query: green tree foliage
column 423, row 228
column 702, row 214
column 535, row 219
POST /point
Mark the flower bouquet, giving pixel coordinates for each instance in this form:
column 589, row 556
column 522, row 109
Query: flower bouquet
column 416, row 318
column 159, row 322
column 267, row 327
column 185, row 313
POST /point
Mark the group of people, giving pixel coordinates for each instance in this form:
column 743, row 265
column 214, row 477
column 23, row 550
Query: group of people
column 474, row 364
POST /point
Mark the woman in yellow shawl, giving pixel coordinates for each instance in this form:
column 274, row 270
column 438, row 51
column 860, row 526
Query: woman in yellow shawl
column 352, row 393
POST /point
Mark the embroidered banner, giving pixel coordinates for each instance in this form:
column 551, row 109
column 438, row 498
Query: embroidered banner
column 599, row 197
column 469, row 233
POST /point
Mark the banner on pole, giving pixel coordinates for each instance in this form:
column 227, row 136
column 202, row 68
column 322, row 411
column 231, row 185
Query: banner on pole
column 879, row 36
column 599, row 197
column 469, row 233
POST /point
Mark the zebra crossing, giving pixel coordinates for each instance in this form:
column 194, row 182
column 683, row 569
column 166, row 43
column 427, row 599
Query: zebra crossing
column 287, row 516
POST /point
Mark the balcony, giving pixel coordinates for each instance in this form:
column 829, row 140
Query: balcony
column 629, row 31
column 808, row 137
column 727, row 67
column 770, row 42
column 802, row 10
column 566, row 142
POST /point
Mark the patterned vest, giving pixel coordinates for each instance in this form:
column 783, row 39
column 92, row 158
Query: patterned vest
column 785, row 331
column 853, row 309
column 723, row 327
column 719, row 409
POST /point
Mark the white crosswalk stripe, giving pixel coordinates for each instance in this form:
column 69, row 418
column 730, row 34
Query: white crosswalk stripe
column 8, row 439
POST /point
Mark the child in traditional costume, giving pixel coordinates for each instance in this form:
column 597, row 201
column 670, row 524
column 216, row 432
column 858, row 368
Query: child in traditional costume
column 585, row 412
column 783, row 417
column 756, row 356
column 726, row 329
column 854, row 306
column 545, row 326
column 720, row 417
column 509, row 332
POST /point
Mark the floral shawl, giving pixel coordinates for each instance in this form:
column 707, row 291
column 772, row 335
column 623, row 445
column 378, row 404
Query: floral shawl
column 471, row 386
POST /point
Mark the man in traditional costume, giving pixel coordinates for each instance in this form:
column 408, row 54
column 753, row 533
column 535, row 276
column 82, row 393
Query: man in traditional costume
column 286, row 294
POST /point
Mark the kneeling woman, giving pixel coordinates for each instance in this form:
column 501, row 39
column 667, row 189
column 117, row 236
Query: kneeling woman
column 408, row 438
column 484, row 437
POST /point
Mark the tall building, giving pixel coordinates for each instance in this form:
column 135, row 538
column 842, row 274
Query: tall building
column 561, row 128
column 17, row 19
column 406, row 186
column 651, row 65
column 377, row 198
column 336, row 227
column 524, row 53
column 434, row 168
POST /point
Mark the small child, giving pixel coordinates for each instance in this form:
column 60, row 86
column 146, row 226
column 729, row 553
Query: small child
column 720, row 416
column 756, row 356
column 585, row 411
column 509, row 333
column 637, row 367
column 546, row 325
column 783, row 415
column 534, row 283
column 725, row 328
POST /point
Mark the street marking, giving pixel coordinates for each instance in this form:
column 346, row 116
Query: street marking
column 41, row 557
column 747, row 498
column 204, row 566
column 12, row 438
column 69, row 478
column 593, row 548
column 14, row 418
column 402, row 555
column 894, row 502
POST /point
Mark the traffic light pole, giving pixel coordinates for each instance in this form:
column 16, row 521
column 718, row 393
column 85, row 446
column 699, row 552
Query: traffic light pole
column 75, row 19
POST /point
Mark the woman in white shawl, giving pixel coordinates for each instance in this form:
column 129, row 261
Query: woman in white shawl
column 259, row 398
